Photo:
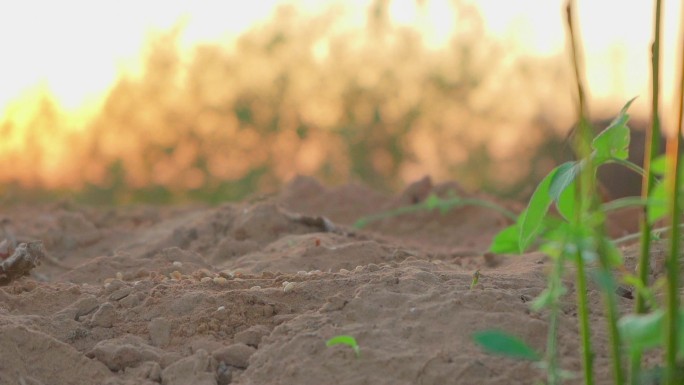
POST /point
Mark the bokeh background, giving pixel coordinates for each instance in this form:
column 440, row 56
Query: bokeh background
column 167, row 102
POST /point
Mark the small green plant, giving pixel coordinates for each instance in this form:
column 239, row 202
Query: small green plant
column 433, row 202
column 345, row 340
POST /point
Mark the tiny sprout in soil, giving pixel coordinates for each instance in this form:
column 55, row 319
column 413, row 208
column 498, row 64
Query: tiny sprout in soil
column 345, row 340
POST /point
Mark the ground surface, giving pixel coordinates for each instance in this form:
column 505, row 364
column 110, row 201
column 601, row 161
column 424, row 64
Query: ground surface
column 248, row 294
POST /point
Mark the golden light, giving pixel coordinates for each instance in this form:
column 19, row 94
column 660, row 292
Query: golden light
column 76, row 50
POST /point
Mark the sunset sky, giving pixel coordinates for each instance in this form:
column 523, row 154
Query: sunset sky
column 76, row 48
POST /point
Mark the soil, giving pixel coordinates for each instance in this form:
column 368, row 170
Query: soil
column 249, row 293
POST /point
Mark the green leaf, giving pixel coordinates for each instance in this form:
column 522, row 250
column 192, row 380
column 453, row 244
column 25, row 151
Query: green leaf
column 566, row 202
column 613, row 142
column 647, row 331
column 433, row 202
column 536, row 211
column 642, row 331
column 506, row 241
column 565, row 174
column 345, row 340
column 657, row 203
column 498, row 342
column 659, row 165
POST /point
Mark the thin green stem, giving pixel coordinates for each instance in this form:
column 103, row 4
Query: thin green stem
column 650, row 153
column 583, row 316
column 583, row 191
column 555, row 284
column 629, row 165
column 672, row 265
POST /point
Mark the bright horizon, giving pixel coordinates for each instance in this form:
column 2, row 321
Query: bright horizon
column 79, row 48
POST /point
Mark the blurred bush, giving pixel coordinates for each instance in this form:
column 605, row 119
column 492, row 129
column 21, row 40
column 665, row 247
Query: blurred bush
column 300, row 95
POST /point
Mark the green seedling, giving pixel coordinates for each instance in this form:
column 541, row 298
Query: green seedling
column 431, row 203
column 345, row 340
column 476, row 278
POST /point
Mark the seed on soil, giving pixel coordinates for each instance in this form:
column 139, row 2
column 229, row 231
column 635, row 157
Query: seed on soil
column 119, row 275
column 257, row 287
column 289, row 287
column 227, row 274
column 344, row 271
column 358, row 269
column 220, row 280
column 176, row 275
column 177, row 264
column 206, row 279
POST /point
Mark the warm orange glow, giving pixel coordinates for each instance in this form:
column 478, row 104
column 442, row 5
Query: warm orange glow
column 62, row 97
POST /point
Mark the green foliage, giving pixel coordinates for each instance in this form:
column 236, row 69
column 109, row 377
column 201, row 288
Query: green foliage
column 559, row 187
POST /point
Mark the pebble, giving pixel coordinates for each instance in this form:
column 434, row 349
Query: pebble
column 160, row 331
column 176, row 275
column 177, row 264
column 236, row 355
column 220, row 280
column 252, row 336
column 195, row 369
column 104, row 316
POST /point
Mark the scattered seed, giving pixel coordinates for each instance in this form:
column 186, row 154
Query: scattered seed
column 119, row 276
column 205, row 279
column 344, row 271
column 176, row 275
column 221, row 308
column 289, row 287
column 227, row 274
column 177, row 263
column 256, row 287
column 358, row 269
column 220, row 280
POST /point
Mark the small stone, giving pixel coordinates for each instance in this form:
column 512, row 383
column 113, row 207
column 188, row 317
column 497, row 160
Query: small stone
column 120, row 294
column 177, row 264
column 252, row 336
column 104, row 316
column 196, row 369
column 236, row 355
column 220, row 280
column 160, row 331
column 176, row 275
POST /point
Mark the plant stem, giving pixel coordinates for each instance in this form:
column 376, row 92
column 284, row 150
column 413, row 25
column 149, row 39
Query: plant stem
column 583, row 189
column 552, row 373
column 650, row 152
column 672, row 265
column 629, row 165
column 583, row 315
